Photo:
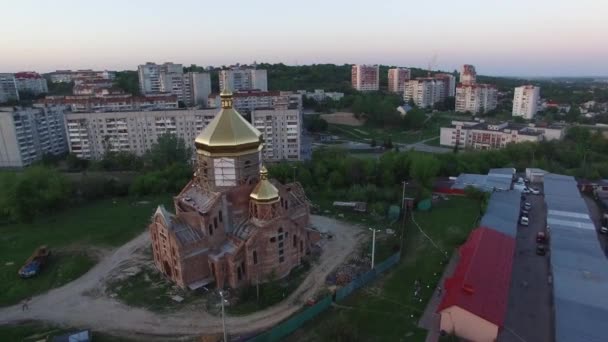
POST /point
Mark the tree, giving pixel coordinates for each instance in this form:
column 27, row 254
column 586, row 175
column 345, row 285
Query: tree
column 127, row 81
column 424, row 168
column 372, row 143
column 168, row 150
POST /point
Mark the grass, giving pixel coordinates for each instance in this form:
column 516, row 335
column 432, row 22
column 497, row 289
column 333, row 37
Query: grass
column 387, row 310
column 40, row 331
column 148, row 289
column 70, row 235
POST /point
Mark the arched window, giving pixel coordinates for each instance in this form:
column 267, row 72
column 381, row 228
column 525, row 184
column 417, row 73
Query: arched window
column 295, row 241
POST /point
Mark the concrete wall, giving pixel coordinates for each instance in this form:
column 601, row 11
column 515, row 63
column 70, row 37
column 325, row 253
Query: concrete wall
column 462, row 323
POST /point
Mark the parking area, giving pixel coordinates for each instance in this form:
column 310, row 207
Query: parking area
column 530, row 309
column 596, row 216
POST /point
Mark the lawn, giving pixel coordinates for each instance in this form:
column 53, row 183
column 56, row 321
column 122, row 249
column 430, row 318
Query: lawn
column 387, row 310
column 69, row 234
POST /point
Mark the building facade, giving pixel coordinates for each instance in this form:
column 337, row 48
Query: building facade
column 525, row 101
column 321, row 95
column 29, row 133
column 8, row 88
column 191, row 88
column 397, row 78
column 468, row 75
column 90, row 135
column 233, row 226
column 31, row 82
column 449, row 83
column 237, row 79
column 476, row 98
column 424, row 92
column 111, row 102
column 67, row 76
column 282, row 133
column 365, row 77
column 247, row 101
column 484, row 136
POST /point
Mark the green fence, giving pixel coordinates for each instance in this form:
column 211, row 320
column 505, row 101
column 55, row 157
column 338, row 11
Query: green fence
column 295, row 322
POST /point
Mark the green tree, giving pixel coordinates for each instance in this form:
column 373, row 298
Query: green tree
column 127, row 81
column 169, row 149
column 424, row 168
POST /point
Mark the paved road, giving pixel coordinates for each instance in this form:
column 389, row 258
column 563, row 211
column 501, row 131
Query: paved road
column 417, row 146
column 82, row 303
column 530, row 309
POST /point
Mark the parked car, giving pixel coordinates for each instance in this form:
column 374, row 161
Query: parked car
column 604, row 230
column 541, row 250
column 525, row 212
column 604, row 226
column 524, row 221
column 34, row 264
column 541, row 237
column 527, row 205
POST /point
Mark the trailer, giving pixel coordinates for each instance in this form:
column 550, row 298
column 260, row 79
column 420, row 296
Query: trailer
column 34, row 264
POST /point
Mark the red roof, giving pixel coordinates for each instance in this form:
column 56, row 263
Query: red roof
column 480, row 284
column 27, row 74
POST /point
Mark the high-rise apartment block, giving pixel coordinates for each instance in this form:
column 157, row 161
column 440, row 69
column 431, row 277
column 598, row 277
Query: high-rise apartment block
column 8, row 88
column 90, row 135
column 281, row 130
column 29, row 133
column 397, row 78
column 190, row 88
column 31, row 82
column 67, row 76
column 476, row 98
column 468, row 75
column 247, row 101
column 525, row 101
column 365, row 77
column 449, row 83
column 425, row 92
column 237, row 79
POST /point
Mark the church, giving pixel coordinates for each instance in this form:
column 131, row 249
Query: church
column 233, row 226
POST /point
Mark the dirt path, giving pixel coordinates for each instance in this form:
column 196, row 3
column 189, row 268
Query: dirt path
column 82, row 303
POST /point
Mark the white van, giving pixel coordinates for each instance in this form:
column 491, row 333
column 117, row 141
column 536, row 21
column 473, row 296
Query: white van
column 524, row 221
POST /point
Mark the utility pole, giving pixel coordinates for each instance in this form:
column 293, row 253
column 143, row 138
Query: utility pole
column 223, row 317
column 404, row 215
column 373, row 245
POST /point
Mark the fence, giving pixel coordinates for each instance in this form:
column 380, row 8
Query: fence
column 295, row 322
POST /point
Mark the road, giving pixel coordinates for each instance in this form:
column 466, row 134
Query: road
column 82, row 303
column 417, row 146
column 529, row 313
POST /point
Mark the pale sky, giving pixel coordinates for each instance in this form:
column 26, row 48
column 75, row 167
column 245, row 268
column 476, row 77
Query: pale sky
column 499, row 37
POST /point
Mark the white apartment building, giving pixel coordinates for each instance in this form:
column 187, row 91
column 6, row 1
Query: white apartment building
column 108, row 102
column 481, row 135
column 282, row 132
column 525, row 101
column 476, row 98
column 237, row 79
column 247, row 101
column 449, row 83
column 31, row 82
column 468, row 75
column 8, row 88
column 29, row 133
column 67, row 76
column 90, row 135
column 190, row 88
column 397, row 78
column 425, row 92
column 320, row 95
column 365, row 77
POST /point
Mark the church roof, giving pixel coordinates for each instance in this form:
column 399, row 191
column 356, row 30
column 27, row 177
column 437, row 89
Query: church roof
column 229, row 131
column 264, row 191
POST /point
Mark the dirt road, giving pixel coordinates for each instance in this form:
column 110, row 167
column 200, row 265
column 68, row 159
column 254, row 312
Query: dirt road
column 82, row 303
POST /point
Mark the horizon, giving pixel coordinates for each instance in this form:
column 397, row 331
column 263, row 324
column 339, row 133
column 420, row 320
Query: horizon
column 504, row 40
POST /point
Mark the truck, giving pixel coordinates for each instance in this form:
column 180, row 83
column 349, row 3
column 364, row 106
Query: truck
column 34, row 264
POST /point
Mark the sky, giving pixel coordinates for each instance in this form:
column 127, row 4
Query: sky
column 499, row 37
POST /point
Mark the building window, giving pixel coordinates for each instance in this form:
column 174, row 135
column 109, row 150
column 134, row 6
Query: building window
column 281, row 259
column 273, row 239
column 220, row 215
column 295, row 241
column 215, row 222
column 255, row 257
column 210, row 230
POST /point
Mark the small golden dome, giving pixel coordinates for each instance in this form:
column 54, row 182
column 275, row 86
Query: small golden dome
column 228, row 132
column 265, row 191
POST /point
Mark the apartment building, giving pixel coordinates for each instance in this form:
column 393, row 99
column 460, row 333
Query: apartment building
column 8, row 88
column 397, row 78
column 525, row 101
column 320, row 95
column 237, row 79
column 425, row 92
column 282, row 132
column 105, row 101
column 90, row 86
column 449, row 83
column 482, row 135
column 29, row 133
column 190, row 88
column 476, row 98
column 247, row 101
column 365, row 77
column 67, row 76
column 32, row 82
column 90, row 135
column 468, row 75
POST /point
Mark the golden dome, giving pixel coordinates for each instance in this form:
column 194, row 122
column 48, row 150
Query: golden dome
column 229, row 132
column 265, row 191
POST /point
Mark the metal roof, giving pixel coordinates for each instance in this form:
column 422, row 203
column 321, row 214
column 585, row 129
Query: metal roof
column 579, row 267
column 502, row 212
column 496, row 179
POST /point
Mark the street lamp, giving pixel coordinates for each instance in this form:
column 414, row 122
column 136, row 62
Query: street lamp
column 373, row 244
column 223, row 317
